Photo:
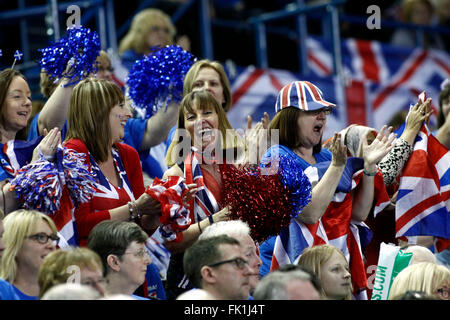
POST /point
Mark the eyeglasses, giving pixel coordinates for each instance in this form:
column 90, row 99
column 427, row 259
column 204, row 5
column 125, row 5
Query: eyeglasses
column 43, row 238
column 326, row 110
column 139, row 254
column 238, row 262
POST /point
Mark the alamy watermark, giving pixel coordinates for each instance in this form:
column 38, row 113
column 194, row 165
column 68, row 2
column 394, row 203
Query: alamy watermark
column 74, row 20
column 374, row 20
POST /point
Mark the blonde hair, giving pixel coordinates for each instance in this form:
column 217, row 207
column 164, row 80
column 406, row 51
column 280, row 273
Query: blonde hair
column 424, row 276
column 313, row 258
column 216, row 66
column 18, row 226
column 90, row 104
column 206, row 101
column 55, row 268
column 136, row 37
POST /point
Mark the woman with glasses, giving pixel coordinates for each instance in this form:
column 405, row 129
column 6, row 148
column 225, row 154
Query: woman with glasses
column 301, row 117
column 29, row 237
column 121, row 247
column 429, row 278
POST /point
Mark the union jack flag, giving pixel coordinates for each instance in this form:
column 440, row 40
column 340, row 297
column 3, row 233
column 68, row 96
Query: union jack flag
column 378, row 80
column 204, row 203
column 423, row 200
column 15, row 154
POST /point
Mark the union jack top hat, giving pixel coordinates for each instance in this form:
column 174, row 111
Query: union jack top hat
column 303, row 95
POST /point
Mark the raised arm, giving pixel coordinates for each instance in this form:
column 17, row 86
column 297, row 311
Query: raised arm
column 54, row 112
column 392, row 164
column 159, row 125
column 372, row 154
column 323, row 191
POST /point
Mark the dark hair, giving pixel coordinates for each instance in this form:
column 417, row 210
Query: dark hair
column 202, row 253
column 286, row 122
column 114, row 237
column 6, row 77
column 445, row 94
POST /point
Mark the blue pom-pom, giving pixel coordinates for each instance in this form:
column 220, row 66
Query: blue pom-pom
column 296, row 182
column 157, row 79
column 81, row 46
column 293, row 179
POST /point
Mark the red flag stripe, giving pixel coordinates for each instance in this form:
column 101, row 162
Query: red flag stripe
column 419, row 208
column 369, row 62
column 319, row 64
column 389, row 89
column 242, row 90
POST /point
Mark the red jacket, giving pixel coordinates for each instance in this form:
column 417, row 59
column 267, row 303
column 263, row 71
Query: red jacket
column 89, row 214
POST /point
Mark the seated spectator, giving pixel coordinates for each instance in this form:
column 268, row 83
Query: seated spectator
column 294, row 284
column 79, row 265
column 29, row 237
column 329, row 264
column 150, row 27
column 430, row 278
column 241, row 232
column 217, row 265
column 71, row 291
column 121, row 247
column 419, row 12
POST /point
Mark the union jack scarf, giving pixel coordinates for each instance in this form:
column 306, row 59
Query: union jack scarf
column 204, row 204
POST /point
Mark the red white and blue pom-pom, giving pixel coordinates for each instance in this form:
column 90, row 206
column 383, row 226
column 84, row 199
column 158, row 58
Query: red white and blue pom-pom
column 39, row 185
column 81, row 46
column 78, row 179
column 174, row 215
column 157, row 79
column 266, row 202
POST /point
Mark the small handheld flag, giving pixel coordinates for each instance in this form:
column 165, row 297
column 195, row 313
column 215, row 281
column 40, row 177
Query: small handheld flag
column 17, row 57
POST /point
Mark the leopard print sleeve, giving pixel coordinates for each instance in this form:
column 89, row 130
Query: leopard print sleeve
column 392, row 164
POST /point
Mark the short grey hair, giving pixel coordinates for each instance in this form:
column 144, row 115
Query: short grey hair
column 232, row 228
column 273, row 285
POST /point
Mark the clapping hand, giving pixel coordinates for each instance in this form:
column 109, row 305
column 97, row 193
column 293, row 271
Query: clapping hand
column 374, row 152
column 47, row 147
column 338, row 150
